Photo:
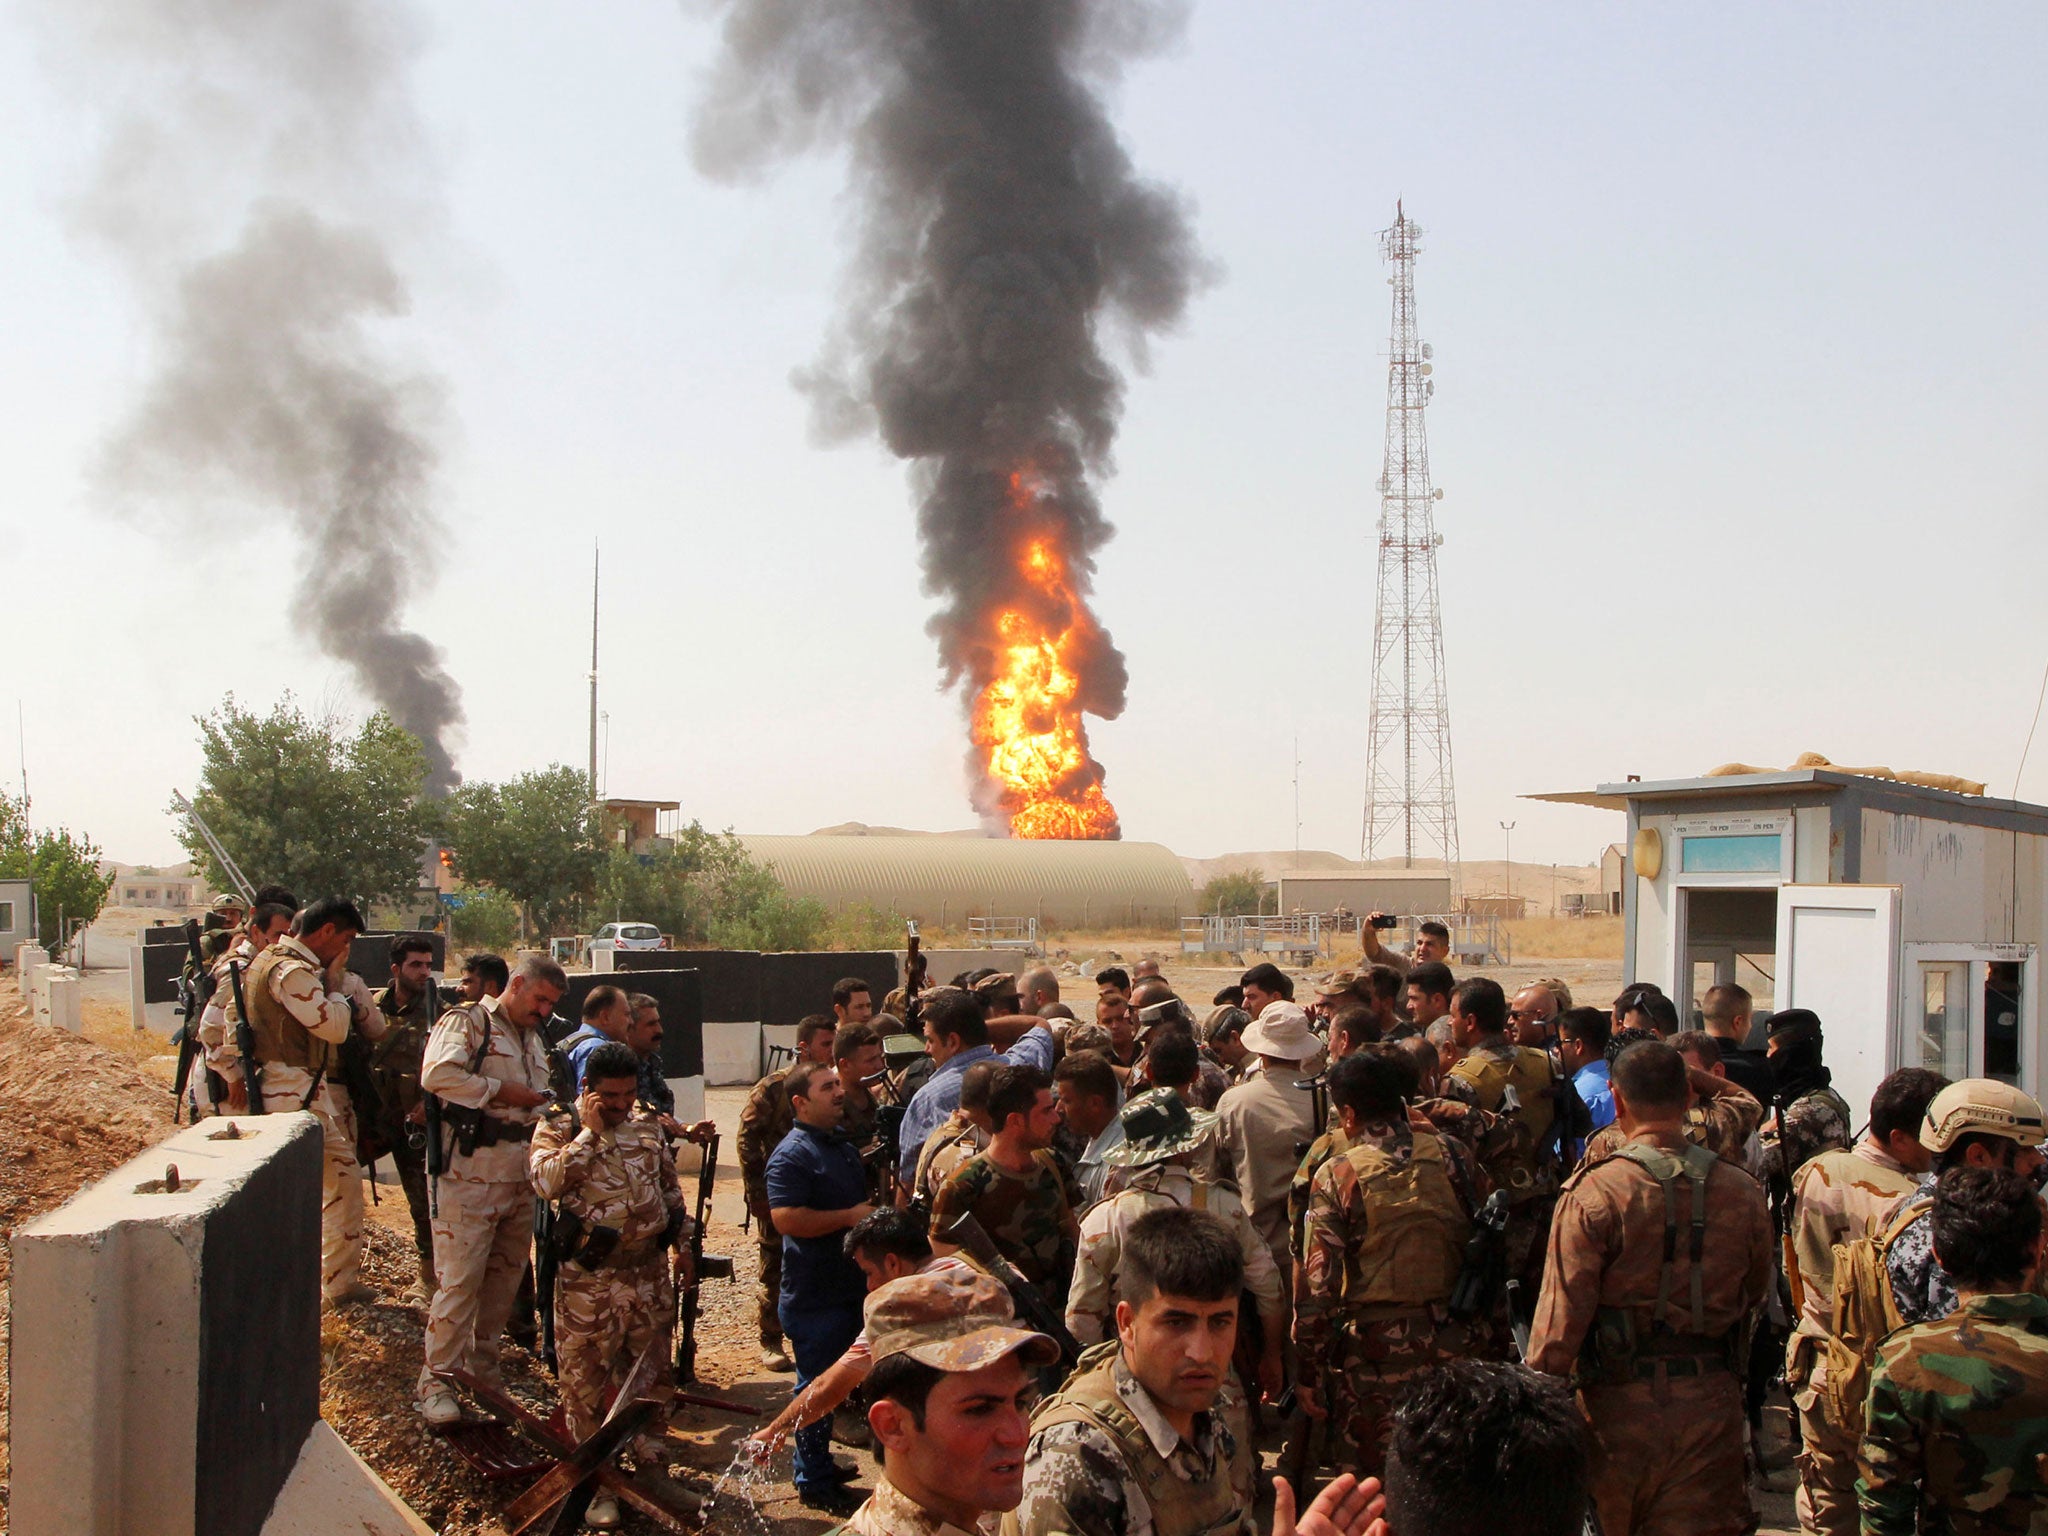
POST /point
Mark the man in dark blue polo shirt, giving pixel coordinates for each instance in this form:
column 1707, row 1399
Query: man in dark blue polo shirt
column 817, row 1189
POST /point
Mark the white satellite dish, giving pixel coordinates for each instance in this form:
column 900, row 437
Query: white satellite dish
column 1437, row 494
column 1428, row 350
column 1427, row 369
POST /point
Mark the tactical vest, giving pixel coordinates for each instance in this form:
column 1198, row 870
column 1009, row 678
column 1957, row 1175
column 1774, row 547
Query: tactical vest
column 1534, row 1081
column 1415, row 1228
column 1178, row 1508
column 1635, row 1343
column 282, row 1040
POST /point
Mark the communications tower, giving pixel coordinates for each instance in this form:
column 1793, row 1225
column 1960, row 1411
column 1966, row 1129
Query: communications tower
column 1411, row 805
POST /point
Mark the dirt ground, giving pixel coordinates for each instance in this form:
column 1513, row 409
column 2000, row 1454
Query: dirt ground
column 72, row 1110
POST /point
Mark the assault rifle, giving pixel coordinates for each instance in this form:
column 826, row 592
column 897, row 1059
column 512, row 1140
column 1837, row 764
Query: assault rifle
column 702, row 1264
column 913, row 979
column 966, row 1234
column 1480, row 1276
column 557, row 1235
column 245, row 1042
column 195, row 991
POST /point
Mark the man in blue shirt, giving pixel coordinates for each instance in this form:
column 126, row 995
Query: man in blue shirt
column 607, row 1016
column 817, row 1190
column 956, row 1037
column 1582, row 1035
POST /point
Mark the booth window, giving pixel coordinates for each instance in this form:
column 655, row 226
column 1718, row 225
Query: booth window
column 1746, row 853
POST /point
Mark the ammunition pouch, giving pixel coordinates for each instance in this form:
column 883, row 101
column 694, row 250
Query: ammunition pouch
column 565, row 1234
column 599, row 1244
column 473, row 1129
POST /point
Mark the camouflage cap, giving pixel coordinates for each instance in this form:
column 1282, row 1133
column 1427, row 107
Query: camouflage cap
column 1983, row 1106
column 1158, row 1125
column 998, row 984
column 952, row 1320
column 228, row 903
column 1339, row 984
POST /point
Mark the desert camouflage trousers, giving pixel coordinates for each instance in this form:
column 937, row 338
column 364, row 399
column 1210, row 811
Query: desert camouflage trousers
column 604, row 1321
column 1667, row 1457
column 482, row 1238
column 768, row 1294
column 341, row 1176
column 1827, row 1453
column 1373, row 1363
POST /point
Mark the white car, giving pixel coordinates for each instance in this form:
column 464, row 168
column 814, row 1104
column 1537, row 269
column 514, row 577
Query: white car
column 627, row 936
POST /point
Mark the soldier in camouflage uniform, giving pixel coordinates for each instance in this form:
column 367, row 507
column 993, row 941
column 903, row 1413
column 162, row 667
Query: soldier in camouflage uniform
column 1149, row 1434
column 303, row 1003
column 1979, row 1123
column 962, row 1135
column 1838, row 1198
column 1807, row 1117
column 1658, row 1255
column 948, row 1393
column 1956, row 1435
column 1492, row 1068
column 764, row 1121
column 410, row 1005
column 1382, row 1242
column 487, row 1063
column 1161, row 1138
column 609, row 1168
column 219, row 1052
column 1720, row 1117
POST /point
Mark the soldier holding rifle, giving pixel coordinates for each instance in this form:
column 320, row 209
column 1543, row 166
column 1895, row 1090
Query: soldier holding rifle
column 302, row 1002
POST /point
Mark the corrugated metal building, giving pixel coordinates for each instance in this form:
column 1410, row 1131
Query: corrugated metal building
column 946, row 880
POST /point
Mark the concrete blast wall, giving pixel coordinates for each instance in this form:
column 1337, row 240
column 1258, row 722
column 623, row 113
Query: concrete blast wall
column 165, row 1375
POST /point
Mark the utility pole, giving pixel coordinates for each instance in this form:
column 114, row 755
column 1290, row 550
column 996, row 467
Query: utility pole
column 1509, row 828
column 593, row 673
column 1410, row 799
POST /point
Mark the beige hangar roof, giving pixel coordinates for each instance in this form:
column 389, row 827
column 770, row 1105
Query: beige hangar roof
column 945, row 880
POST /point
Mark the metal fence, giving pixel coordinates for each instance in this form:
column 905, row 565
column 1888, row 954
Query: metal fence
column 1019, row 933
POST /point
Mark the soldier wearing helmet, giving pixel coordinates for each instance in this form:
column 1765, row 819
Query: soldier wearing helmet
column 1976, row 1123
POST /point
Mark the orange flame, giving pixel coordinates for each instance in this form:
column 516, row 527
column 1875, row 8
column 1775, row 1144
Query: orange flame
column 1026, row 718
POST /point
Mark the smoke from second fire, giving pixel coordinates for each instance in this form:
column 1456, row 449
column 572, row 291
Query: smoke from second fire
column 1003, row 229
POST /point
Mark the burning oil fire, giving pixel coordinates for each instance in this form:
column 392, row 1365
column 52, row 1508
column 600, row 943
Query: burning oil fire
column 1027, row 717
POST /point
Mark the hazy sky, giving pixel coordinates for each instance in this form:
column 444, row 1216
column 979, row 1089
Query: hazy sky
column 1741, row 353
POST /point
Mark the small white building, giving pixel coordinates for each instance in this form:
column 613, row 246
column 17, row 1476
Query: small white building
column 1912, row 920
column 17, row 916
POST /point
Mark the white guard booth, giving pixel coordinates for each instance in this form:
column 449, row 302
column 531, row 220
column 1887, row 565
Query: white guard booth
column 1912, row 920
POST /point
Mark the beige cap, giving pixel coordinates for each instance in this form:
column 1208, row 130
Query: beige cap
column 951, row 1320
column 1984, row 1106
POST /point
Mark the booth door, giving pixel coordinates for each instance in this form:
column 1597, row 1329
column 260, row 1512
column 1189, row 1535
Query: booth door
column 1972, row 1010
column 1838, row 954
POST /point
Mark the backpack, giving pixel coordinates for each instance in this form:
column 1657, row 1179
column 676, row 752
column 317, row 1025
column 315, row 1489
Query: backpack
column 1415, row 1227
column 1863, row 1313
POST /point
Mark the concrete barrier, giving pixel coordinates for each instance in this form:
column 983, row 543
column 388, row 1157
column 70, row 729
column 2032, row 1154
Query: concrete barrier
column 166, row 1354
column 65, row 1001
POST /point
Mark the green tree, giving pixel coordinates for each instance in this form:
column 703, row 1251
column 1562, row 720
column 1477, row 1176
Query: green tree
column 704, row 888
column 530, row 837
column 64, row 869
column 1238, row 895
column 487, row 919
column 310, row 804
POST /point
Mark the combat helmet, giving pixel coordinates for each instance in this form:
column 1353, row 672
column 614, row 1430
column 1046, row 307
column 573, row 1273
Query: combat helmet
column 1983, row 1106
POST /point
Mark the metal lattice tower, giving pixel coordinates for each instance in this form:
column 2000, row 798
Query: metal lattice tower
column 1411, row 805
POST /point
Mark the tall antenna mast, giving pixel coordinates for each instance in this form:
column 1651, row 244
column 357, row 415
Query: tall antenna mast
column 593, row 673
column 1411, row 809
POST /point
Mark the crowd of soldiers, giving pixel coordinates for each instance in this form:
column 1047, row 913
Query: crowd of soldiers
column 1495, row 1263
column 494, row 1111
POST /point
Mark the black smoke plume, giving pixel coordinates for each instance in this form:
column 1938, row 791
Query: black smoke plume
column 258, row 156
column 1003, row 236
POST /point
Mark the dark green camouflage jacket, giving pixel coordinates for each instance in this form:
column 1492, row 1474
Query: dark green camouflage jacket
column 1956, row 1438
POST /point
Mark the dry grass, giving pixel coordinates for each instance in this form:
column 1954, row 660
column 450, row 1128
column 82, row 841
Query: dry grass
column 1566, row 938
